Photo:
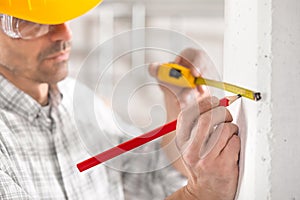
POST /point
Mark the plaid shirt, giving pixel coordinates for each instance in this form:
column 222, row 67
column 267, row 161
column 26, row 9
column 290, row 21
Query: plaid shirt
column 40, row 146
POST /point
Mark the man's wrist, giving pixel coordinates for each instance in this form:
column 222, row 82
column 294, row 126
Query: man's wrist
column 187, row 193
column 182, row 194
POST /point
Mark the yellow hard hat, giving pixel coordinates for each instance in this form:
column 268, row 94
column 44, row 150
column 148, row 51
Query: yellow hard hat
column 47, row 11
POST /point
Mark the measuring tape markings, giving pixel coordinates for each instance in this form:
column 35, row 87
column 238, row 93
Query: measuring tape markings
column 181, row 76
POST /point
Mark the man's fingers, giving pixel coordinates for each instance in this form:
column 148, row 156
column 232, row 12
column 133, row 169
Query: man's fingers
column 206, row 124
column 232, row 149
column 219, row 139
column 202, row 119
column 153, row 68
column 194, row 59
column 190, row 58
column 189, row 117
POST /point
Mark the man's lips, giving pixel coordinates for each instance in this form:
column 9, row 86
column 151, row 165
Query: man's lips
column 60, row 56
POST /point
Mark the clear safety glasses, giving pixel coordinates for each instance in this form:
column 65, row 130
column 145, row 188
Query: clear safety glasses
column 18, row 28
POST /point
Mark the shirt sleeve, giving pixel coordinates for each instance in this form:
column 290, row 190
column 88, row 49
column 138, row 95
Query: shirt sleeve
column 147, row 173
column 9, row 189
column 150, row 175
column 155, row 185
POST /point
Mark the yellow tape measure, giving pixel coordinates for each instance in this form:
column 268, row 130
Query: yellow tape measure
column 181, row 76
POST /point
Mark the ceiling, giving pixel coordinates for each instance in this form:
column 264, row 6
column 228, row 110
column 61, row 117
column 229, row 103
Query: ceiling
column 192, row 8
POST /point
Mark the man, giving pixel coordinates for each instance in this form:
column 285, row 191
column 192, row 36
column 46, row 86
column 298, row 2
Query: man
column 39, row 143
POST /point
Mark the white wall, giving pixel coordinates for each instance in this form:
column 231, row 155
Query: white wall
column 261, row 51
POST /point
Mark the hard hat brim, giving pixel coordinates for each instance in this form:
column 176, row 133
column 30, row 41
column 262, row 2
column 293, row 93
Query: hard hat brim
column 47, row 11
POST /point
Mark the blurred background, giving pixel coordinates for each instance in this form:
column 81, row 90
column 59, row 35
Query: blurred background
column 200, row 20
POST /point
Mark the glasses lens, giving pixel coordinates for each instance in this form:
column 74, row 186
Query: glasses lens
column 18, row 28
column 30, row 30
column 8, row 26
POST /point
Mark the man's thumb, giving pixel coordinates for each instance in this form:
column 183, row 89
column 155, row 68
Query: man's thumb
column 153, row 68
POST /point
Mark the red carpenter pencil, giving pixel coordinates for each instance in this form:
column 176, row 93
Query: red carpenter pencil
column 138, row 141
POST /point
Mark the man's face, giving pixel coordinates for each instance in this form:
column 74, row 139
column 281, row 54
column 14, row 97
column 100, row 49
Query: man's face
column 41, row 60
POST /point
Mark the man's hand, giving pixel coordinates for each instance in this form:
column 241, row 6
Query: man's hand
column 177, row 98
column 210, row 149
column 206, row 142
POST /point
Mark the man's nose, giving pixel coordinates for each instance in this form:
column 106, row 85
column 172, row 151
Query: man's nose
column 60, row 32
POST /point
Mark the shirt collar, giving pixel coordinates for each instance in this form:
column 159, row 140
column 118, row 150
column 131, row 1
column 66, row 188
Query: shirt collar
column 14, row 100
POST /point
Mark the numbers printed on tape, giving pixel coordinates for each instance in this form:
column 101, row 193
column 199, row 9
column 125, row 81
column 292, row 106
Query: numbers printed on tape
column 181, row 76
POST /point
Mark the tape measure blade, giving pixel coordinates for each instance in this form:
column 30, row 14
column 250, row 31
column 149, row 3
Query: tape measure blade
column 226, row 86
